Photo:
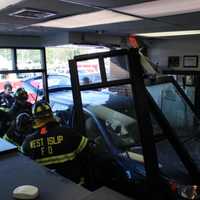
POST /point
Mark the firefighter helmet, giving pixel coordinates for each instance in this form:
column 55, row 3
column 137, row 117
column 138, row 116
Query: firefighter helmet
column 21, row 94
column 42, row 114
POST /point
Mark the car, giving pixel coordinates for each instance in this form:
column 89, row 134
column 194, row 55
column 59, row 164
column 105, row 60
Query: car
column 60, row 93
column 34, row 86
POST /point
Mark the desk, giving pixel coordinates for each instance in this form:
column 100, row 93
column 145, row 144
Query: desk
column 105, row 193
column 6, row 147
column 17, row 169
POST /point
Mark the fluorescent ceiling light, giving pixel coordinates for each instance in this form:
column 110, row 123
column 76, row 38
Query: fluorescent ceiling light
column 161, row 8
column 170, row 33
column 158, row 8
column 88, row 19
column 79, row 46
column 6, row 3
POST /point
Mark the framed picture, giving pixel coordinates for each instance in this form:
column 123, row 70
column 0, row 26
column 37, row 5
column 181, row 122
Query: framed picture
column 190, row 61
column 173, row 61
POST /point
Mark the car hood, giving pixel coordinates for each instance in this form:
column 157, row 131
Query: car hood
column 88, row 97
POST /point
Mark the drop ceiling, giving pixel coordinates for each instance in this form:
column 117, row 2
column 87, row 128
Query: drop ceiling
column 12, row 25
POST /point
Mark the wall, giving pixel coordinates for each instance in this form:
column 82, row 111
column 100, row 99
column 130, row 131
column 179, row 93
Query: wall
column 20, row 41
column 61, row 39
column 55, row 39
column 33, row 41
column 160, row 50
column 96, row 39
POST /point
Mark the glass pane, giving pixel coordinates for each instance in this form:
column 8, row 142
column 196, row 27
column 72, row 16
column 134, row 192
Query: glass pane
column 60, row 93
column 184, row 80
column 180, row 116
column 190, row 91
column 6, row 59
column 58, row 57
column 169, row 162
column 116, row 67
column 21, row 80
column 89, row 71
column 187, row 84
column 29, row 59
column 11, row 106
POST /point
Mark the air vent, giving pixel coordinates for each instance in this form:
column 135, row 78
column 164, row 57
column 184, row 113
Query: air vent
column 32, row 14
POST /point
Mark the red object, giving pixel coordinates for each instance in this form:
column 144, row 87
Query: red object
column 133, row 41
column 43, row 131
column 31, row 97
column 16, row 83
column 173, row 186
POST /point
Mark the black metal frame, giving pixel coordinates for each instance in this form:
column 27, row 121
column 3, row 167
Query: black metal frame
column 78, row 112
column 77, row 88
column 141, row 103
column 154, row 181
column 103, row 55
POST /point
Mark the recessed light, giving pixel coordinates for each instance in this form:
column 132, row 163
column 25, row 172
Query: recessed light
column 88, row 19
column 161, row 8
column 5, row 4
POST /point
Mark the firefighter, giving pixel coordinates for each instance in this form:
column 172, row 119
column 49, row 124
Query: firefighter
column 56, row 147
column 4, row 122
column 19, row 129
column 6, row 98
column 6, row 101
column 21, row 104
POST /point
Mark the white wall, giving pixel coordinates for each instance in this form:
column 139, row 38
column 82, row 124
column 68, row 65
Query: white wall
column 160, row 50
